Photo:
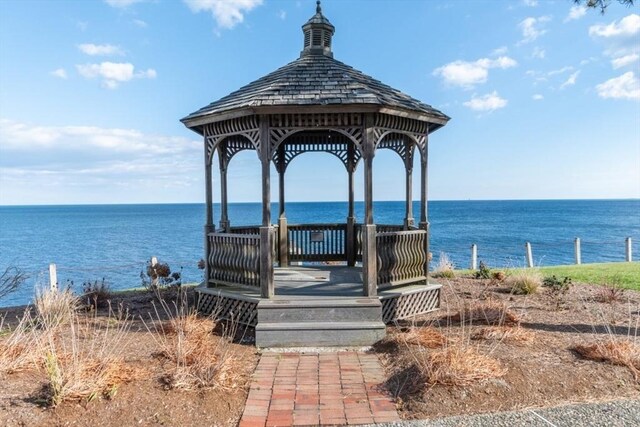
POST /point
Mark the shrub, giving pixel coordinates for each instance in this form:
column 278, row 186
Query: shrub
column 558, row 288
column 458, row 365
column 428, row 337
column 444, row 268
column 624, row 352
column 524, row 281
column 10, row 280
column 159, row 275
column 96, row 293
column 18, row 351
column 484, row 272
column 498, row 276
column 610, row 293
column 504, row 334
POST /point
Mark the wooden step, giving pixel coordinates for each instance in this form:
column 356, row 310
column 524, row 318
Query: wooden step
column 315, row 334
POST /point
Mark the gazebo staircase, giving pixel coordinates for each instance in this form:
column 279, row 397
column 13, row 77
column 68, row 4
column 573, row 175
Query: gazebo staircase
column 328, row 321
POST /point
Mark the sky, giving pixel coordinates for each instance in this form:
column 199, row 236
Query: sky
column 544, row 96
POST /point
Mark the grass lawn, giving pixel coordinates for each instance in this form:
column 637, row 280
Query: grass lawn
column 625, row 274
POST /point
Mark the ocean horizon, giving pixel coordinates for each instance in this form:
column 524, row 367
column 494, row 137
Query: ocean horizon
column 89, row 242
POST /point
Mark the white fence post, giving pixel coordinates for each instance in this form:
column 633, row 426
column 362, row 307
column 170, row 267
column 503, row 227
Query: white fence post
column 474, row 256
column 577, row 250
column 629, row 255
column 53, row 277
column 529, row 255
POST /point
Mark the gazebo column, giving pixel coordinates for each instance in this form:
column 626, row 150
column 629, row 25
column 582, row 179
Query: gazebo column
column 369, row 254
column 283, row 232
column 266, row 247
column 424, row 223
column 408, row 166
column 351, row 218
column 224, row 211
column 208, row 224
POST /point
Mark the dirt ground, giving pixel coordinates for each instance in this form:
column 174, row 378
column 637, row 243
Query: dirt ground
column 143, row 402
column 544, row 371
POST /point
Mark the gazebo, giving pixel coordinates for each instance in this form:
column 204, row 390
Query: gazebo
column 316, row 104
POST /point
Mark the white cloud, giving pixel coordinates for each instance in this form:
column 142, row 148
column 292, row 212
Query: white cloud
column 282, row 14
column 571, row 80
column 61, row 73
column 140, row 23
column 532, row 28
column 538, row 53
column 114, row 73
column 487, row 103
column 227, row 13
column 467, row 74
column 575, row 13
column 530, row 3
column 626, row 86
column 560, row 70
column 502, row 50
column 623, row 61
column 122, row 3
column 627, row 26
column 537, row 97
column 100, row 49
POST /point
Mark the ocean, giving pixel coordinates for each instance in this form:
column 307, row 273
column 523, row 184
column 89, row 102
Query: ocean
column 92, row 242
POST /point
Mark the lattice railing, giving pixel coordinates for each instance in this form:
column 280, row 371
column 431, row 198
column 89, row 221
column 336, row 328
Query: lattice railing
column 226, row 307
column 234, row 259
column 401, row 257
column 410, row 304
column 317, row 242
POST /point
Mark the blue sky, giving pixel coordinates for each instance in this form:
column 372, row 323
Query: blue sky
column 544, row 96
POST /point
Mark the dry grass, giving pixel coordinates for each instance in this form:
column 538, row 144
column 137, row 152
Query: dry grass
column 199, row 359
column 504, row 334
column 489, row 313
column 610, row 294
column 55, row 307
column 524, row 281
column 459, row 365
column 623, row 352
column 83, row 361
column 445, row 267
column 428, row 337
column 18, row 351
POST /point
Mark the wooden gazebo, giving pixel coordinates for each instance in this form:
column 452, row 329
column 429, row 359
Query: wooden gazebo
column 316, row 104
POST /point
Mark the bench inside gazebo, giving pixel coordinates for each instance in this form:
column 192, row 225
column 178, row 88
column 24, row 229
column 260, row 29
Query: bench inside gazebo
column 317, row 284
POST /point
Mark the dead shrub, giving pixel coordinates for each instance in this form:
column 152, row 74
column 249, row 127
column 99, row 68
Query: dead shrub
column 609, row 294
column 84, row 362
column 199, row 359
column 489, row 313
column 503, row 334
column 445, row 267
column 459, row 365
column 623, row 352
column 524, row 281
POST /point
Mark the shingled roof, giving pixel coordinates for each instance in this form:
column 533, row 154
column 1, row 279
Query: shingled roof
column 316, row 79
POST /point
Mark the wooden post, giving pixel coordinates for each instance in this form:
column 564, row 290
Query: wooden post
column 367, row 158
column 265, row 158
column 424, row 223
column 154, row 261
column 369, row 260
column 629, row 254
column 266, row 263
column 408, row 166
column 208, row 223
column 529, row 255
column 283, row 242
column 224, row 210
column 350, row 235
column 474, row 256
column 53, row 277
column 577, row 249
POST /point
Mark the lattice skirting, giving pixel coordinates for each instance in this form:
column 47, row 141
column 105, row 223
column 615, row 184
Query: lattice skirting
column 226, row 307
column 402, row 306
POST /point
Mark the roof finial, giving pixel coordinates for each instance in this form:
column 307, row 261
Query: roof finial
column 318, row 7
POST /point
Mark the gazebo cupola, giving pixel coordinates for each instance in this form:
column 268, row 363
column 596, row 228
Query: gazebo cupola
column 318, row 33
column 317, row 104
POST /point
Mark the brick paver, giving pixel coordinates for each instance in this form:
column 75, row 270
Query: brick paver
column 340, row 388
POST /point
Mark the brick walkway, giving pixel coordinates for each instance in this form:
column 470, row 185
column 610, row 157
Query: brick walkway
column 317, row 389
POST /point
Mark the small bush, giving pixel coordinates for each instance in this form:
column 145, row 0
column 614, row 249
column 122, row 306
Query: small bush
column 489, row 313
column 428, row 337
column 558, row 288
column 18, row 351
column 97, row 293
column 624, row 352
column 503, row 333
column 498, row 276
column 459, row 365
column 524, row 281
column 610, row 293
column 10, row 280
column 444, row 268
column 484, row 272
column 159, row 275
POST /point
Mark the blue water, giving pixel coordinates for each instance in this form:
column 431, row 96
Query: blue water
column 114, row 241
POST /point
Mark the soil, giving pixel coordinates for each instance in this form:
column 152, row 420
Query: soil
column 144, row 402
column 544, row 371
